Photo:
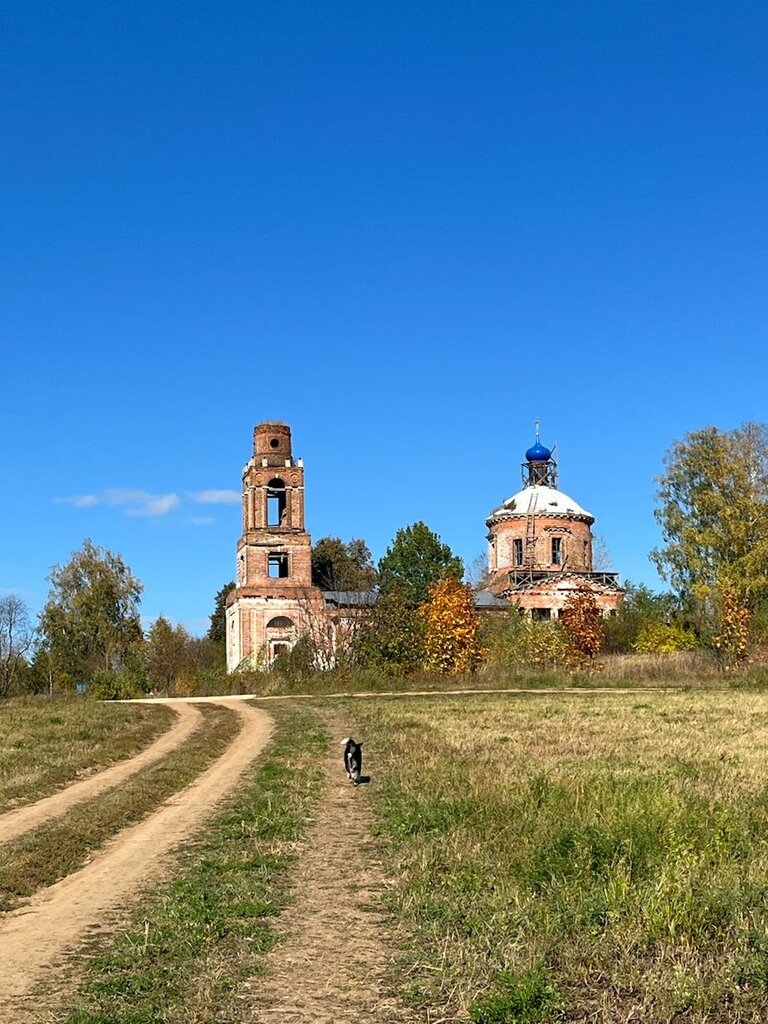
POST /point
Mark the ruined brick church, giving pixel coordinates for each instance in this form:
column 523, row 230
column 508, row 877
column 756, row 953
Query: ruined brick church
column 540, row 549
column 268, row 607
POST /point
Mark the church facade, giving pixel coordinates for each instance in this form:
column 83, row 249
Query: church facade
column 539, row 551
column 540, row 546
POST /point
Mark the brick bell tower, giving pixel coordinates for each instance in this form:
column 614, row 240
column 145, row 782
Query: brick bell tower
column 265, row 611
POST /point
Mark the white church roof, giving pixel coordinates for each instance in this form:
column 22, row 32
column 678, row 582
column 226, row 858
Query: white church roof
column 541, row 501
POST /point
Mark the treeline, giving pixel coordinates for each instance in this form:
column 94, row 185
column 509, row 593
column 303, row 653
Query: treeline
column 89, row 637
column 712, row 507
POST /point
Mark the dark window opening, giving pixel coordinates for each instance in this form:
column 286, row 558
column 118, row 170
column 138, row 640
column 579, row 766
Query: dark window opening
column 280, row 622
column 557, row 551
column 277, row 506
column 541, row 614
column 278, row 566
column 274, row 443
column 517, row 552
column 278, row 649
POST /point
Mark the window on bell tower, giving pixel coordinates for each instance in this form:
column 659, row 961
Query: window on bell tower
column 277, row 565
column 277, row 505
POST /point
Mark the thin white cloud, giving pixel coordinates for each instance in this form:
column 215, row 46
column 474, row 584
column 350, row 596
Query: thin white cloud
column 134, row 502
column 215, row 497
column 202, row 520
column 79, row 500
column 138, row 503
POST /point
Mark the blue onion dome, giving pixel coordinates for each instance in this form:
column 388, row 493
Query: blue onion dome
column 538, row 453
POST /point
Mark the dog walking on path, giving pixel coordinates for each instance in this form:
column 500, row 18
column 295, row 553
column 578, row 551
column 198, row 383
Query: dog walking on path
column 353, row 759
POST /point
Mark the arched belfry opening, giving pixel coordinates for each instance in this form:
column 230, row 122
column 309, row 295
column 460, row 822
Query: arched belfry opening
column 277, row 503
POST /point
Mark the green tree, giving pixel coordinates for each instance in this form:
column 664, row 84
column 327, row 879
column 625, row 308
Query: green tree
column 340, row 566
column 167, row 653
column 713, row 513
column 16, row 636
column 217, row 631
column 514, row 641
column 640, row 607
column 91, row 620
column 391, row 638
column 416, row 561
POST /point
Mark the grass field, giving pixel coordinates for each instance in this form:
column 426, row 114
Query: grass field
column 55, row 849
column 45, row 743
column 585, row 858
column 697, row 670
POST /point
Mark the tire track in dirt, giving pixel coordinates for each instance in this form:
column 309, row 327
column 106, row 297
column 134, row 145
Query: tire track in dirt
column 330, row 967
column 35, row 937
column 22, row 819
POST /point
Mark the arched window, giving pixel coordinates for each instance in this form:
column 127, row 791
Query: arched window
column 280, row 622
column 276, row 502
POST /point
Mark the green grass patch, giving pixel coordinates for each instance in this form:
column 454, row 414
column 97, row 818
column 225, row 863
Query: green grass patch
column 576, row 858
column 188, row 948
column 54, row 850
column 48, row 742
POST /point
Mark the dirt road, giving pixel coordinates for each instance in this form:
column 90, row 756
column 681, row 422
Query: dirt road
column 34, row 937
column 331, row 966
column 20, row 820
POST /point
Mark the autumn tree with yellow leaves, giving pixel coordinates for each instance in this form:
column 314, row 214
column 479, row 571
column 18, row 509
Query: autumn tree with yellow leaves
column 582, row 624
column 451, row 628
column 731, row 643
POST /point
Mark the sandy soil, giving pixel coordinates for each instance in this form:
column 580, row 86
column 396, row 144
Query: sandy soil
column 329, row 968
column 35, row 937
column 20, row 820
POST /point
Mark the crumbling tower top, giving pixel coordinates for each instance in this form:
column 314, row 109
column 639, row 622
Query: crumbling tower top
column 272, row 441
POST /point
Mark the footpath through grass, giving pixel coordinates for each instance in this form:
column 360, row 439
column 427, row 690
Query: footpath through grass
column 47, row 742
column 190, row 945
column 591, row 858
column 54, row 850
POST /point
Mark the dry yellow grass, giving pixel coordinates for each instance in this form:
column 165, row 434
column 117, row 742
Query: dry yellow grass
column 594, row 857
column 45, row 743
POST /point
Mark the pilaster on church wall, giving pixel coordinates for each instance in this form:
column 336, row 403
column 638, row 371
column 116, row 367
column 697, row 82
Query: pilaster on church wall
column 251, row 508
column 297, row 519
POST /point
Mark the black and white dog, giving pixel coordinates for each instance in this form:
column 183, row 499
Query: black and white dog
column 353, row 759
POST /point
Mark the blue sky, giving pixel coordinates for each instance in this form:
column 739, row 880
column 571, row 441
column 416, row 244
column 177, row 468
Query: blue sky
column 406, row 229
